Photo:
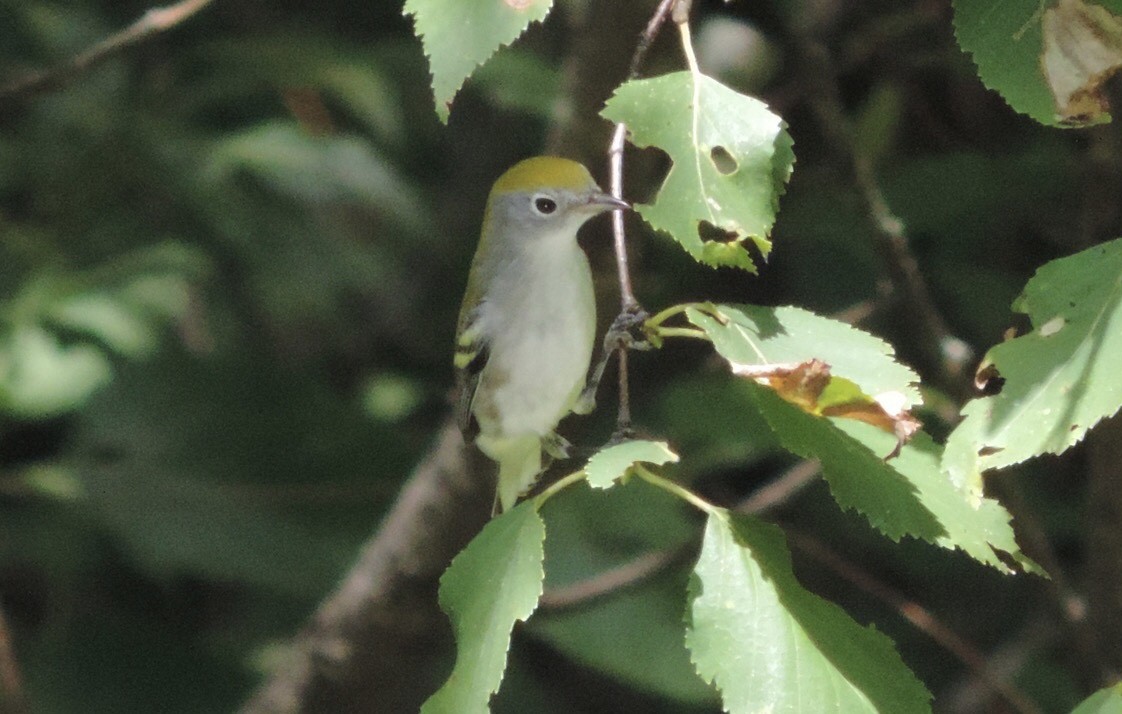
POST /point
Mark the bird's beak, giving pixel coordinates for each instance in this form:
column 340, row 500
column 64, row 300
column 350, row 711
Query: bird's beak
column 605, row 202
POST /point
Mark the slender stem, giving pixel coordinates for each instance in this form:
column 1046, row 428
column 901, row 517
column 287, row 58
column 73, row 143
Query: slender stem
column 627, row 300
column 687, row 44
column 623, row 416
column 629, row 306
column 152, row 22
column 559, row 485
column 680, row 491
column 11, row 683
column 663, row 316
column 682, row 332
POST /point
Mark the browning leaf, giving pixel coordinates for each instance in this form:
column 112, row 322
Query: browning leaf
column 810, row 386
column 1082, row 51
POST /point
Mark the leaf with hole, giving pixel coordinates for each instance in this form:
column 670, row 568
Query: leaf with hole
column 731, row 160
column 1058, row 380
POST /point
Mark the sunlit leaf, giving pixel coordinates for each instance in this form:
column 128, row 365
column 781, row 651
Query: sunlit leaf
column 1060, row 379
column 769, row 336
column 459, row 35
column 1104, row 701
column 492, row 584
column 772, row 646
column 613, row 462
column 731, row 160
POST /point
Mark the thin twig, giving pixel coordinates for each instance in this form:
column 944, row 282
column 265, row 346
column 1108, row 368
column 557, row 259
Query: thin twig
column 12, row 699
column 650, row 564
column 152, row 22
column 778, row 491
column 613, row 580
column 945, row 352
column 631, row 312
column 918, row 616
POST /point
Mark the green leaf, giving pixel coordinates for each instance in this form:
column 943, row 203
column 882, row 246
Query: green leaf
column 906, row 495
column 632, row 634
column 1060, row 379
column 1006, row 40
column 459, row 35
column 731, row 159
column 495, row 582
column 771, row 645
column 613, row 462
column 41, row 378
column 754, row 335
column 1104, row 701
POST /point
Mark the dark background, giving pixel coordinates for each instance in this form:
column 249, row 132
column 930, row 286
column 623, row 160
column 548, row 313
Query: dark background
column 231, row 259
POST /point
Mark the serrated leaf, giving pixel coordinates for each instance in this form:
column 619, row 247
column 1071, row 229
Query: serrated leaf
column 731, row 160
column 459, row 35
column 613, row 462
column 1082, row 51
column 1060, row 379
column 493, row 583
column 1005, row 38
column 810, row 386
column 908, row 495
column 1104, row 701
column 755, row 335
column 772, row 646
column 634, row 634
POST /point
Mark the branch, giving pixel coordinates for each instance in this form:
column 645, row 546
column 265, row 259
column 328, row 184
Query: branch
column 631, row 312
column 152, row 22
column 368, row 645
column 918, row 616
column 12, row 699
column 945, row 353
column 649, row 564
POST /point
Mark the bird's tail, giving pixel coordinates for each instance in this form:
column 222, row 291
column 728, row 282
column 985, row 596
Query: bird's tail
column 520, row 463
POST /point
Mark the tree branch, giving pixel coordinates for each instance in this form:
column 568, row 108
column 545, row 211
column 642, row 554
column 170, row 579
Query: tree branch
column 918, row 616
column 945, row 354
column 367, row 647
column 152, row 22
column 12, row 698
column 651, row 563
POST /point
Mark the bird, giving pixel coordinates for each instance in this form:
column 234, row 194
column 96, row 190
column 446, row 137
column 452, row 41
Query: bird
column 527, row 324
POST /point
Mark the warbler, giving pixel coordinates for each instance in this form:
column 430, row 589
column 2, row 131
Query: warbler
column 527, row 324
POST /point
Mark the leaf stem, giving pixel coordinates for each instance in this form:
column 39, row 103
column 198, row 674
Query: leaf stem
column 661, row 317
column 558, row 486
column 152, row 22
column 681, row 492
column 682, row 332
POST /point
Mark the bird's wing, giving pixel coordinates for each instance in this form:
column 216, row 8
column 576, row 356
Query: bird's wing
column 472, row 351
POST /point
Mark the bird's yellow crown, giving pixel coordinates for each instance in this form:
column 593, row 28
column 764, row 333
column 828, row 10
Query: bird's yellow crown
column 543, row 171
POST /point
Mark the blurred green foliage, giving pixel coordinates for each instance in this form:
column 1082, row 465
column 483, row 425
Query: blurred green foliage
column 230, row 263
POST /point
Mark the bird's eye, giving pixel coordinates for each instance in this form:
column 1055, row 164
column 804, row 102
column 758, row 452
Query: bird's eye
column 545, row 205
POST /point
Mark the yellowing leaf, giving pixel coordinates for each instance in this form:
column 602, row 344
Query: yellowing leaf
column 810, row 386
column 1082, row 50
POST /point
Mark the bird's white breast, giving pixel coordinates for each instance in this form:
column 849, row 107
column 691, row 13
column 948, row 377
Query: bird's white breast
column 541, row 324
